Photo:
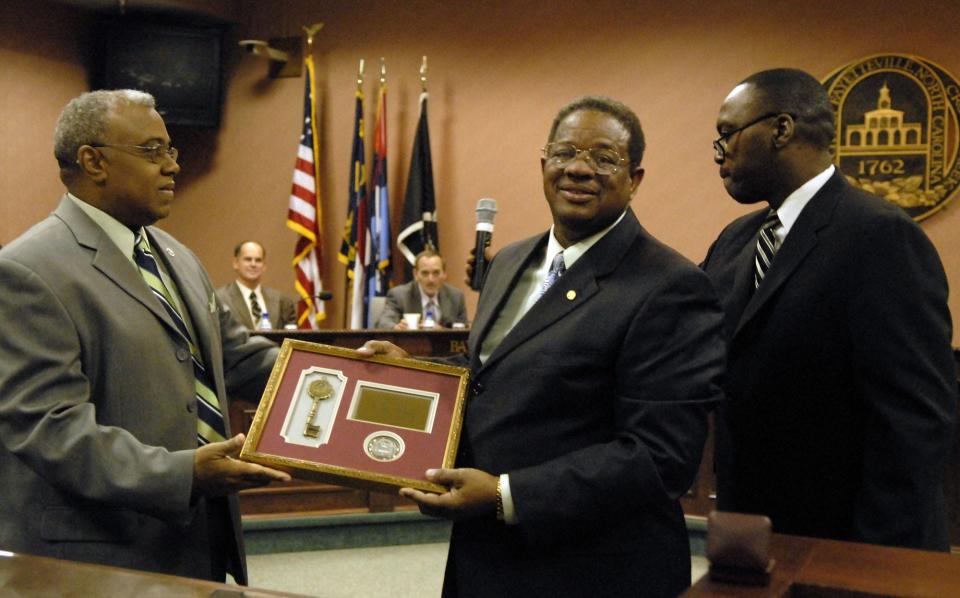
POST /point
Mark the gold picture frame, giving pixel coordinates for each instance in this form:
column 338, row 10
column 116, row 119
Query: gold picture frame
column 329, row 414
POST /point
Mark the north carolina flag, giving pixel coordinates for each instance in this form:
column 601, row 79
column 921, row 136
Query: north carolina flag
column 353, row 252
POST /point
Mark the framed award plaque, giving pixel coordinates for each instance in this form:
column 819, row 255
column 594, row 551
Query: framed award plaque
column 378, row 423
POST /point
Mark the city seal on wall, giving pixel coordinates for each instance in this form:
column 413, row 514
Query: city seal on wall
column 897, row 130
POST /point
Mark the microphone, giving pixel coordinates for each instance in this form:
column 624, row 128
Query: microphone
column 486, row 210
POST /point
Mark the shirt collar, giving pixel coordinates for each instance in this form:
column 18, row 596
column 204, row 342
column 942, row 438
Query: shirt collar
column 117, row 232
column 245, row 290
column 574, row 252
column 790, row 210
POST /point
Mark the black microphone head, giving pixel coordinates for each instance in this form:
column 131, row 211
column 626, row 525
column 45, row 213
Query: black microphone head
column 486, row 210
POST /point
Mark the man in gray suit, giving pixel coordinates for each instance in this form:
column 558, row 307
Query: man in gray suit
column 427, row 294
column 247, row 298
column 595, row 356
column 115, row 363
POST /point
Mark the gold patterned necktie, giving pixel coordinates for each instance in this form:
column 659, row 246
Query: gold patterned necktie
column 210, row 425
column 255, row 308
column 766, row 247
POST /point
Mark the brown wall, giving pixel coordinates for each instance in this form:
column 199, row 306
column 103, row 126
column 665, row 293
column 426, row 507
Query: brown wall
column 498, row 73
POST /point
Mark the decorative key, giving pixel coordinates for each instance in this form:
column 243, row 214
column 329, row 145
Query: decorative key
column 318, row 390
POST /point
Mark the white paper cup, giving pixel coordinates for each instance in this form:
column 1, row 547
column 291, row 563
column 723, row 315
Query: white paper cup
column 412, row 320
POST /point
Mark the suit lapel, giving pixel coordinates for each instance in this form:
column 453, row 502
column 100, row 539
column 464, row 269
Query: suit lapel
column 500, row 286
column 192, row 296
column 109, row 260
column 803, row 237
column 272, row 301
column 240, row 306
column 571, row 290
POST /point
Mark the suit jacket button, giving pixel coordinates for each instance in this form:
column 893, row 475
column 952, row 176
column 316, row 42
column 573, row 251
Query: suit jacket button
column 191, row 406
column 182, row 354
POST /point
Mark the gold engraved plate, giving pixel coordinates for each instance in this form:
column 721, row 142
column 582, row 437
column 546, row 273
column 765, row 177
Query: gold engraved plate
column 897, row 130
column 319, row 390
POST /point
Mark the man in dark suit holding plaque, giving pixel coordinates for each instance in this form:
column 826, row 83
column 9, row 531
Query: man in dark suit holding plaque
column 841, row 386
column 595, row 357
column 115, row 359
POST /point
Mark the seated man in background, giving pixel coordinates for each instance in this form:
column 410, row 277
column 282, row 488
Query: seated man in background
column 427, row 294
column 247, row 298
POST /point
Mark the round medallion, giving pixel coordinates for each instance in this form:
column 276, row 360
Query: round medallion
column 384, row 446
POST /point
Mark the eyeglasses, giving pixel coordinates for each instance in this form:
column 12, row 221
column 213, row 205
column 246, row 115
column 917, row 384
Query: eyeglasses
column 720, row 143
column 603, row 161
column 154, row 153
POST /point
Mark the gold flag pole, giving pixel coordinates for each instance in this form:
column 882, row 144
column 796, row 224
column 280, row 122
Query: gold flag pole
column 360, row 75
column 423, row 75
column 383, row 71
column 312, row 30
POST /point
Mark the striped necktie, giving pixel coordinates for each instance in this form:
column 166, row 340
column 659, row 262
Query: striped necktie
column 255, row 310
column 557, row 268
column 766, row 247
column 210, row 425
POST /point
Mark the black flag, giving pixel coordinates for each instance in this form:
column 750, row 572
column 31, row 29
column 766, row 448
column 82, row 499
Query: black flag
column 418, row 230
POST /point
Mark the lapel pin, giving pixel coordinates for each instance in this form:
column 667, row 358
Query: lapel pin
column 170, row 252
column 571, row 295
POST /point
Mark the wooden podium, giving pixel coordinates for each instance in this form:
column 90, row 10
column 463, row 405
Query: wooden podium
column 26, row 575
column 814, row 568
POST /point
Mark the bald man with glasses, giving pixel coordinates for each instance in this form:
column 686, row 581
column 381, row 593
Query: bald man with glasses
column 841, row 385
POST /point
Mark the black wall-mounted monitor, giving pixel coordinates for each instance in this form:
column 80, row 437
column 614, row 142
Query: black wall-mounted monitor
column 180, row 66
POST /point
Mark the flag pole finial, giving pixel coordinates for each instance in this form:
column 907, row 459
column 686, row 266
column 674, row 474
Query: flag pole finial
column 383, row 71
column 360, row 75
column 312, row 30
column 423, row 74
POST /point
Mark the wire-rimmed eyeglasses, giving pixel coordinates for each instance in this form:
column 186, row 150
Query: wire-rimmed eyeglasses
column 602, row 160
column 154, row 153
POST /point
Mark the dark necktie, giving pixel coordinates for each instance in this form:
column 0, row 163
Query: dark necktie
column 557, row 268
column 766, row 248
column 210, row 426
column 255, row 308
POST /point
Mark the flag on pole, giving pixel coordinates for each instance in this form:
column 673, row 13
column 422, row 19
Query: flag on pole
column 353, row 252
column 419, row 227
column 381, row 269
column 304, row 215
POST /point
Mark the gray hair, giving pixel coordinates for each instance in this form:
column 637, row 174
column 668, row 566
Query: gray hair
column 84, row 120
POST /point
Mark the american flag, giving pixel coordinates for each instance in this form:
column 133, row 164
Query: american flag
column 381, row 269
column 355, row 234
column 304, row 215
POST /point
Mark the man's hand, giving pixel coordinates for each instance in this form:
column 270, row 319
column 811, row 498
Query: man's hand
column 401, row 325
column 218, row 472
column 472, row 493
column 371, row 348
column 472, row 259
